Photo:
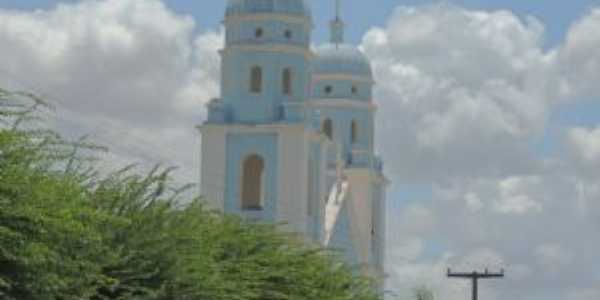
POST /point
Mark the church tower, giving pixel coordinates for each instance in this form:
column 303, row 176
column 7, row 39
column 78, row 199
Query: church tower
column 291, row 140
column 342, row 93
column 265, row 61
column 257, row 141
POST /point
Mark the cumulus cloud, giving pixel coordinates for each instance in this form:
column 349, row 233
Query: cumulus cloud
column 552, row 238
column 465, row 94
column 432, row 275
column 584, row 294
column 469, row 89
column 584, row 146
column 553, row 257
column 579, row 59
column 126, row 72
column 513, row 198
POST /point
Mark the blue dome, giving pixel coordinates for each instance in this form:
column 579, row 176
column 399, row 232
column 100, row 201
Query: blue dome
column 341, row 59
column 290, row 7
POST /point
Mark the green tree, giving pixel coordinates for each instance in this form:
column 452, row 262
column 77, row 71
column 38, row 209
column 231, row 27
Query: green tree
column 423, row 293
column 50, row 247
column 67, row 232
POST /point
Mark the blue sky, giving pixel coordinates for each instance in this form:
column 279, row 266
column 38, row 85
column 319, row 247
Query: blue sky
column 361, row 15
column 556, row 15
column 494, row 151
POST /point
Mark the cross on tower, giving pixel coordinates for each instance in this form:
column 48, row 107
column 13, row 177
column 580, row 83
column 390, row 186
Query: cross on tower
column 337, row 26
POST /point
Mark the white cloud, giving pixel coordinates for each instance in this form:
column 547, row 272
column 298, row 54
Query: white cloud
column 474, row 203
column 478, row 259
column 432, row 274
column 462, row 92
column 579, row 59
column 463, row 95
column 584, row 145
column 583, row 294
column 514, row 198
column 466, row 95
column 408, row 250
column 503, row 232
column 517, row 195
column 553, row 257
column 130, row 73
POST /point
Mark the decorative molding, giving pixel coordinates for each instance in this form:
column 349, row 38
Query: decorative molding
column 342, row 77
column 298, row 19
column 367, row 173
column 272, row 48
column 341, row 103
column 248, row 128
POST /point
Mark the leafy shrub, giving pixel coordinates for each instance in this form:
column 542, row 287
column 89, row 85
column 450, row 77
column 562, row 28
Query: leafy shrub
column 67, row 232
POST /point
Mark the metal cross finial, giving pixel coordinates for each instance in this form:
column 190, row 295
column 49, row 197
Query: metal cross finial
column 337, row 26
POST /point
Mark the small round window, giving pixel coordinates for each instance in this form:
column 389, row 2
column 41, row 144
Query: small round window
column 259, row 32
column 288, row 34
column 328, row 89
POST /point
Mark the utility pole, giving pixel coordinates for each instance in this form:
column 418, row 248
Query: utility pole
column 475, row 276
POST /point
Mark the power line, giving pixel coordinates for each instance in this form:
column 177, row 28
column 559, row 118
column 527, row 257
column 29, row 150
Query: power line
column 474, row 277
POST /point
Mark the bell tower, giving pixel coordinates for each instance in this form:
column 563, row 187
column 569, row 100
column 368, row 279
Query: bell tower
column 265, row 60
column 291, row 140
column 342, row 92
column 260, row 154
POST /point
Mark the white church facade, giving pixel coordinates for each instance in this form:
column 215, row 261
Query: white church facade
column 292, row 137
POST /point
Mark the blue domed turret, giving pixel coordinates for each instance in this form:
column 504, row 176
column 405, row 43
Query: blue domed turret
column 341, row 70
column 292, row 7
column 341, row 59
column 342, row 93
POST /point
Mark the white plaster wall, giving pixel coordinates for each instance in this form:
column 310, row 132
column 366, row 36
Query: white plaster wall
column 293, row 185
column 213, row 166
column 361, row 209
column 382, row 231
column 324, row 189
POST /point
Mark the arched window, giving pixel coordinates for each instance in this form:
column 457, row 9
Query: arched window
column 328, row 128
column 286, row 81
column 354, row 132
column 256, row 79
column 252, row 183
column 258, row 33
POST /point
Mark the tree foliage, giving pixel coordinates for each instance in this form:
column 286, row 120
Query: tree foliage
column 423, row 293
column 67, row 232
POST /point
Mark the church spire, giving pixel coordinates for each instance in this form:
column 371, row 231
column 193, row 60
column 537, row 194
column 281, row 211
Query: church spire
column 337, row 26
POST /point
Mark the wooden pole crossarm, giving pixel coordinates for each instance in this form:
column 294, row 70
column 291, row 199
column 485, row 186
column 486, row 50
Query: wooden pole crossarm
column 474, row 277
